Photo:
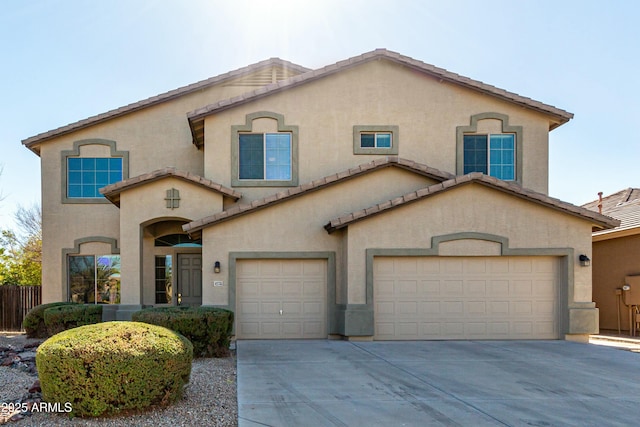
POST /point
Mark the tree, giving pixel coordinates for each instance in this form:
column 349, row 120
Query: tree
column 21, row 253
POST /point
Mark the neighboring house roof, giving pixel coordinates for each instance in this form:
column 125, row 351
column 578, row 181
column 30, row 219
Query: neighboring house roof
column 196, row 117
column 598, row 220
column 623, row 205
column 33, row 141
column 242, row 209
column 112, row 192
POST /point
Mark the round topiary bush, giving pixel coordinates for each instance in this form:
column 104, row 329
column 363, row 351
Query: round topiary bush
column 106, row 368
column 208, row 328
column 33, row 322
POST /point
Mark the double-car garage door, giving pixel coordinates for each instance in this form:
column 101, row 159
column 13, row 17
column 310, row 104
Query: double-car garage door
column 414, row 298
column 418, row 298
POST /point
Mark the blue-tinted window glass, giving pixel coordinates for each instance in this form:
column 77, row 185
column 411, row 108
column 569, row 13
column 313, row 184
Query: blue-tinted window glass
column 383, row 140
column 251, row 156
column 502, row 156
column 75, row 191
column 86, row 175
column 278, row 156
column 475, row 153
column 367, row 140
column 102, row 164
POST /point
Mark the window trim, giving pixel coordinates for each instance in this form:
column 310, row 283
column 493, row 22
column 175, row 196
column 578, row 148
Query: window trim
column 360, row 129
column 75, row 152
column 472, row 129
column 236, row 130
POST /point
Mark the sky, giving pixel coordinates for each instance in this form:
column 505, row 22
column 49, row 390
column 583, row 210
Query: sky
column 65, row 60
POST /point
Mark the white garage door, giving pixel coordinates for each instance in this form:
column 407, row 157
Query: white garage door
column 281, row 298
column 465, row 298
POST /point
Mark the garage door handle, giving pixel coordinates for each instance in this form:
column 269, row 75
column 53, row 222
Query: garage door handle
column 280, row 312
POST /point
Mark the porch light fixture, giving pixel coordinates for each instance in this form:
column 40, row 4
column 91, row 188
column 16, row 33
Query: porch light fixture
column 584, row 260
column 216, row 267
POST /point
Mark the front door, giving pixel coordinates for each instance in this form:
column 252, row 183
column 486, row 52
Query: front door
column 189, row 284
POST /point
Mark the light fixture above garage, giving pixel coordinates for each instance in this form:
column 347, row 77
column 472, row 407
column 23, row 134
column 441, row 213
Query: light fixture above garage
column 584, row 260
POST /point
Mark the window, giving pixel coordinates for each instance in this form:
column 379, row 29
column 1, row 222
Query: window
column 265, row 156
column 89, row 166
column 86, row 175
column 375, row 140
column 492, row 155
column 164, row 283
column 94, row 279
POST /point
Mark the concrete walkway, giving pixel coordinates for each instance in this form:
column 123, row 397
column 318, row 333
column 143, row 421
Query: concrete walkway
column 449, row 383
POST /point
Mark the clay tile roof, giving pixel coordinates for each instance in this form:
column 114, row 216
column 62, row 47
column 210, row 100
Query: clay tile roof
column 112, row 192
column 33, row 141
column 389, row 161
column 623, row 205
column 560, row 116
column 600, row 221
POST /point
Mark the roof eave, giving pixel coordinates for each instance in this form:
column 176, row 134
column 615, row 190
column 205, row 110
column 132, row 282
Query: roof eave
column 33, row 142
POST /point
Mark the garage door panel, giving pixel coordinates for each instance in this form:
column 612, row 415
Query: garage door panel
column 458, row 298
column 270, row 308
column 281, row 298
column 475, row 288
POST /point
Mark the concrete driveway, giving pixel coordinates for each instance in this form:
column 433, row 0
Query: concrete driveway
column 450, row 383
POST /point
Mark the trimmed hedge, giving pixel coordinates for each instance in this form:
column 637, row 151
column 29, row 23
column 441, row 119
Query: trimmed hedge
column 208, row 328
column 33, row 322
column 61, row 318
column 111, row 367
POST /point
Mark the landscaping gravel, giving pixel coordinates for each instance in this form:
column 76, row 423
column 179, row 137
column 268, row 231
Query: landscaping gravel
column 209, row 399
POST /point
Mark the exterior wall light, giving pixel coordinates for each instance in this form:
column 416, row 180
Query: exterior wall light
column 584, row 260
column 216, row 267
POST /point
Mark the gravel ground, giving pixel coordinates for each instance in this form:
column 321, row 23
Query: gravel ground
column 209, row 399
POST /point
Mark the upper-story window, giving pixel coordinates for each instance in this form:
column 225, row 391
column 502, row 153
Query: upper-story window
column 91, row 165
column 492, row 155
column 86, row 175
column 264, row 152
column 265, row 156
column 490, row 145
column 376, row 139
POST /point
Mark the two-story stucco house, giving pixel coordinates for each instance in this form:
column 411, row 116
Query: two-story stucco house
column 378, row 197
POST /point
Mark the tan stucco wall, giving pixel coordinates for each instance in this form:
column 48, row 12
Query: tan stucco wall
column 298, row 225
column 612, row 261
column 155, row 138
column 426, row 111
column 145, row 205
column 471, row 208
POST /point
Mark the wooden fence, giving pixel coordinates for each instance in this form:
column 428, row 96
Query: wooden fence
column 15, row 302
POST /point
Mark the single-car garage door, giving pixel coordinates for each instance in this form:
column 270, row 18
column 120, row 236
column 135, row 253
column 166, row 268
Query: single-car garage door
column 281, row 298
column 466, row 298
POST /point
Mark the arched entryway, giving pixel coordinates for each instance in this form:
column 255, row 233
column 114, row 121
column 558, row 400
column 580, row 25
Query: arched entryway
column 172, row 265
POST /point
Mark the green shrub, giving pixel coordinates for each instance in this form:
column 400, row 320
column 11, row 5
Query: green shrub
column 33, row 322
column 61, row 318
column 110, row 367
column 208, row 328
